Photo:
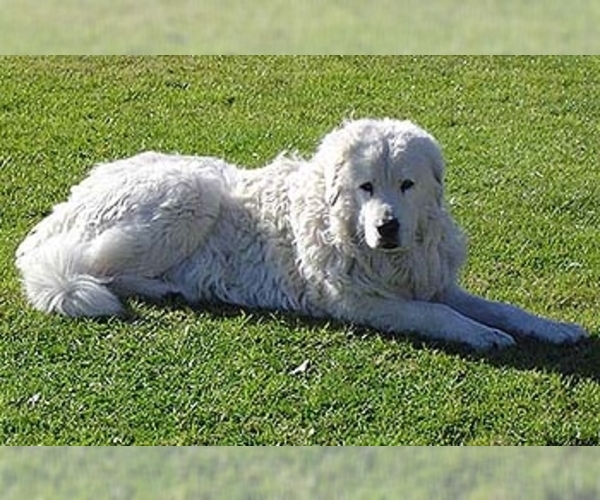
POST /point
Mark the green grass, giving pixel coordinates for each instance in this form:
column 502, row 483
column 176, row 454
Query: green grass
column 521, row 140
column 305, row 473
column 292, row 27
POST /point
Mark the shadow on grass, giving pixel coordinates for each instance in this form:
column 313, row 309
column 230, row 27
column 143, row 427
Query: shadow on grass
column 580, row 360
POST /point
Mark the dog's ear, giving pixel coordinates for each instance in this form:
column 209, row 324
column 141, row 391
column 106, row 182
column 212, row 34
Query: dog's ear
column 330, row 157
column 438, row 175
column 333, row 196
column 437, row 168
column 438, row 172
column 332, row 188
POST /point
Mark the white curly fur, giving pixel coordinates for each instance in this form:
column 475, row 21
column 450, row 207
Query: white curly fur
column 296, row 235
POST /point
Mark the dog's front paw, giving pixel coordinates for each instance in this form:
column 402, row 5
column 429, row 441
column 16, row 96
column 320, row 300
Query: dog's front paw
column 487, row 339
column 566, row 333
column 557, row 332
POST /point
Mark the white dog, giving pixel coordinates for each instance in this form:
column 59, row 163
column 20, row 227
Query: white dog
column 359, row 233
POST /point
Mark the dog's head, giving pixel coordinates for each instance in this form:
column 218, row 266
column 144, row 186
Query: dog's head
column 383, row 182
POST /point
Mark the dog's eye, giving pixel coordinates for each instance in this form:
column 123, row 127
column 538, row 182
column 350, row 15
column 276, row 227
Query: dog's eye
column 367, row 186
column 406, row 185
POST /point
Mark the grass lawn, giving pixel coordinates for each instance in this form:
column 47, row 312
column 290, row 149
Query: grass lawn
column 521, row 136
column 292, row 27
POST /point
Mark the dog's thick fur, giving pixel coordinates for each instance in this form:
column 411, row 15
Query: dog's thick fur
column 358, row 233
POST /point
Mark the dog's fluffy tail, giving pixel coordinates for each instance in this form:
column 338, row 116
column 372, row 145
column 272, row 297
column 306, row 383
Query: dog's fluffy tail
column 56, row 279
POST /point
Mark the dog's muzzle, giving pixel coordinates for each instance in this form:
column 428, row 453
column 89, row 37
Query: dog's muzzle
column 388, row 234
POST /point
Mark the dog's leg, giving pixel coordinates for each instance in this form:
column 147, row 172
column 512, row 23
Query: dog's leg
column 154, row 289
column 512, row 319
column 429, row 319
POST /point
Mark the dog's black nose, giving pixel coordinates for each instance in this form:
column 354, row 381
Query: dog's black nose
column 389, row 230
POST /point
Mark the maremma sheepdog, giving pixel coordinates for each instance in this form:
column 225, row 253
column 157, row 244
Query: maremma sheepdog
column 359, row 233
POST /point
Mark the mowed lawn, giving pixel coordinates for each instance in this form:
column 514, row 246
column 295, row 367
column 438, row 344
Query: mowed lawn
column 522, row 141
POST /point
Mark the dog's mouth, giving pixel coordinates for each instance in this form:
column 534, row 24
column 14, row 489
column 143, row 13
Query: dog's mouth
column 388, row 232
column 389, row 245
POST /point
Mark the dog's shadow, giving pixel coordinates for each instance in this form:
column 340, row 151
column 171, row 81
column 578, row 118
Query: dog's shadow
column 579, row 361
